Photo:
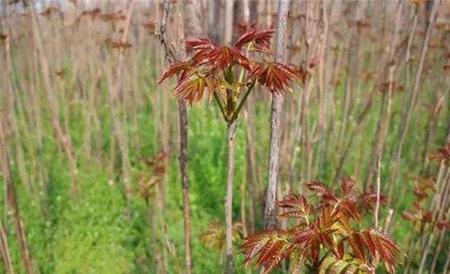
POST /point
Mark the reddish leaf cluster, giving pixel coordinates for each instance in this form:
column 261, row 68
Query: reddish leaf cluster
column 269, row 247
column 213, row 66
column 419, row 215
column 117, row 44
column 351, row 200
column 51, row 10
column 392, row 86
column 323, row 229
column 150, row 26
column 442, row 155
column 148, row 180
column 93, row 13
column 214, row 236
column 104, row 16
column 3, row 36
column 276, row 76
column 113, row 16
column 259, row 39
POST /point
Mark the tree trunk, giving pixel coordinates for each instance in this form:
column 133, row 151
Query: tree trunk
column 11, row 200
column 275, row 131
column 252, row 174
column 384, row 116
column 229, row 198
column 214, row 20
column 409, row 107
column 183, row 123
column 228, row 32
column 62, row 136
column 4, row 250
column 185, row 185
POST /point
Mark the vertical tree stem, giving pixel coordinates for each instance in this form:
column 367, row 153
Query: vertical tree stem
column 231, row 130
column 183, row 124
column 11, row 198
column 275, row 131
column 4, row 250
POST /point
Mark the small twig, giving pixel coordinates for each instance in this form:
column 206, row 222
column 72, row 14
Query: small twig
column 387, row 221
column 221, row 106
column 235, row 114
column 377, row 205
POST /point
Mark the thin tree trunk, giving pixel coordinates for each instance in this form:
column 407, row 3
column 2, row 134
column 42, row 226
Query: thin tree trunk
column 384, row 65
column 447, row 263
column 383, row 119
column 185, row 185
column 252, row 174
column 228, row 32
column 431, row 128
column 10, row 105
column 183, row 124
column 62, row 136
column 438, row 212
column 323, row 95
column 116, row 87
column 11, row 200
column 275, row 130
column 411, row 104
column 4, row 250
column 214, row 19
column 231, row 130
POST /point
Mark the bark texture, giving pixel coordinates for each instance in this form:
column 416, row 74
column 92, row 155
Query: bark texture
column 229, row 199
column 275, row 130
column 183, row 127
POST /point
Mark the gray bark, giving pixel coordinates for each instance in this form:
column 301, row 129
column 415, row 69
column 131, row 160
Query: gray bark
column 275, row 131
column 229, row 199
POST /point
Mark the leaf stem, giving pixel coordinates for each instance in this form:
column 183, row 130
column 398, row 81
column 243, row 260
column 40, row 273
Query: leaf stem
column 242, row 102
column 221, row 106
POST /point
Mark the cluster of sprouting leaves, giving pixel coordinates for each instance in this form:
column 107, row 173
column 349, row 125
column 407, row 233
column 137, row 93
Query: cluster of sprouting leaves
column 325, row 235
column 153, row 171
column 229, row 72
column 442, row 155
column 214, row 237
column 424, row 188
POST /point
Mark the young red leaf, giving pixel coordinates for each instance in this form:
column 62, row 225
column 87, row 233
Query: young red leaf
column 345, row 206
column 347, row 184
column 180, row 67
column 200, row 45
column 275, row 76
column 317, row 187
column 408, row 216
column 206, row 52
column 192, row 88
column 269, row 246
column 368, row 200
column 443, row 225
column 357, row 244
column 221, row 58
column 378, row 242
column 260, row 39
column 297, row 204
